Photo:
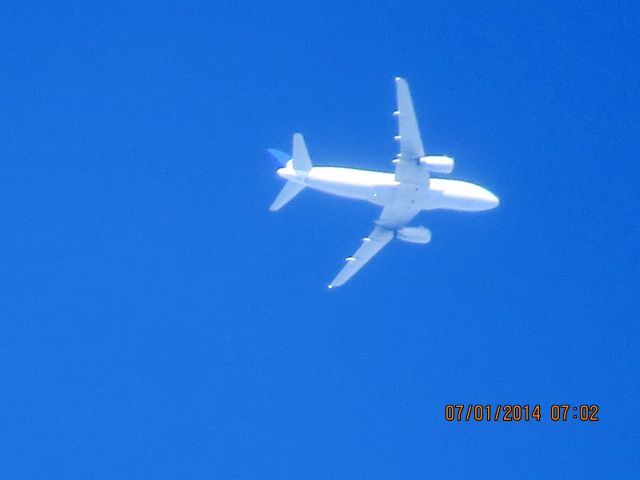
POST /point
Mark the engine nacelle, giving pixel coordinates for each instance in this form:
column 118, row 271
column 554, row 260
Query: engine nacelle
column 438, row 163
column 414, row 235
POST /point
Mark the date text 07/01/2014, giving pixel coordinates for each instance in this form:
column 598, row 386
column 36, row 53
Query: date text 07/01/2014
column 561, row 412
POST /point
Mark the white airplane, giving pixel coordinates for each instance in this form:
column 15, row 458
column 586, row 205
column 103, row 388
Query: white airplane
column 402, row 194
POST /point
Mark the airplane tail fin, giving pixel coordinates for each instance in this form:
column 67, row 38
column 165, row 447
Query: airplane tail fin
column 301, row 164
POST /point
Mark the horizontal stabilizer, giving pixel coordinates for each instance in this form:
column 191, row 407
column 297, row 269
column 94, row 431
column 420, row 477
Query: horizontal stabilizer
column 290, row 190
column 301, row 159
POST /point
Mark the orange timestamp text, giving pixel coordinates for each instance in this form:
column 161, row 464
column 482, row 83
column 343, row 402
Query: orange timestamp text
column 561, row 412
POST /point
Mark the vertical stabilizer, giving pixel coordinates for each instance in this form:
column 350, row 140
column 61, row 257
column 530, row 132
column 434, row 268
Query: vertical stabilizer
column 301, row 164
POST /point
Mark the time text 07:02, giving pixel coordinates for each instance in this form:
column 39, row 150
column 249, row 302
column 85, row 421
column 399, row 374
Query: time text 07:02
column 520, row 412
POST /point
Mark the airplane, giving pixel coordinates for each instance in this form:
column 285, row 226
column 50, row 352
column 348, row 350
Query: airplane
column 402, row 194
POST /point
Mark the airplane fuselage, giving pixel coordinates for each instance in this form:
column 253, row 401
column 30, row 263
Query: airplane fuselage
column 380, row 188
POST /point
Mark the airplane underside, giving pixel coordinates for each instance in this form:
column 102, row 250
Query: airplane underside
column 402, row 194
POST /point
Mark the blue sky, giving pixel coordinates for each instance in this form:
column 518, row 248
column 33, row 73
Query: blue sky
column 159, row 322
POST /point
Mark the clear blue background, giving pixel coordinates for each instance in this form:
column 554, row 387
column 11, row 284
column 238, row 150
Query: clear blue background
column 159, row 322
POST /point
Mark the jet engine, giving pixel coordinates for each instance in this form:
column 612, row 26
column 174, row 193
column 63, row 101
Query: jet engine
column 414, row 235
column 438, row 163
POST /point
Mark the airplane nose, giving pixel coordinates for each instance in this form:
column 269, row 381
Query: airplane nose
column 492, row 199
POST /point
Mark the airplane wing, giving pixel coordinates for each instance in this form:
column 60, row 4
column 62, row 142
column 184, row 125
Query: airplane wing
column 370, row 246
column 392, row 216
column 408, row 167
column 395, row 216
column 412, row 177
